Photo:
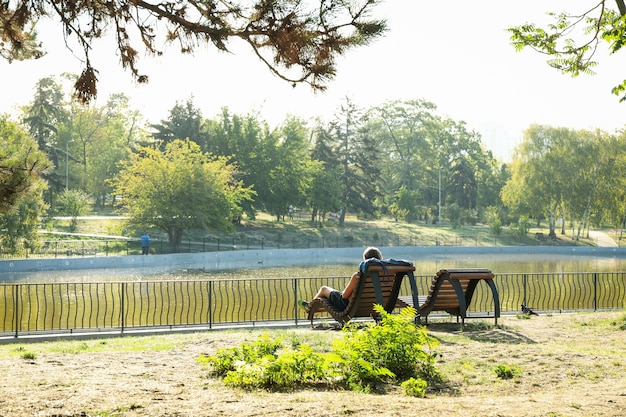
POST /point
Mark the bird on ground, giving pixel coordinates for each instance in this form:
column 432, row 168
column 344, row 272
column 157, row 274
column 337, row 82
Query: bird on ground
column 526, row 310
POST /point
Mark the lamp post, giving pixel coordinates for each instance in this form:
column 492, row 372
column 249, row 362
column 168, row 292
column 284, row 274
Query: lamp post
column 67, row 165
column 439, row 221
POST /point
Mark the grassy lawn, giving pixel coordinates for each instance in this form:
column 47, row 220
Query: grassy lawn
column 300, row 233
column 552, row 365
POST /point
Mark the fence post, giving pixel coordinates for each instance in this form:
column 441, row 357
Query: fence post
column 524, row 284
column 295, row 297
column 595, row 292
column 210, row 304
column 122, row 306
column 17, row 314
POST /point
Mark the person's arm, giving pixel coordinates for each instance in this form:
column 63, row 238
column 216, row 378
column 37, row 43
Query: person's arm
column 354, row 280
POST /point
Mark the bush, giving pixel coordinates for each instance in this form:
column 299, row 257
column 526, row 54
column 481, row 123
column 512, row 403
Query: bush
column 396, row 346
column 415, row 387
column 366, row 357
column 506, row 371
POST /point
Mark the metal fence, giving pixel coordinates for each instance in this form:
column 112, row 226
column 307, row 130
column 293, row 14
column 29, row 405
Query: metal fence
column 117, row 247
column 61, row 308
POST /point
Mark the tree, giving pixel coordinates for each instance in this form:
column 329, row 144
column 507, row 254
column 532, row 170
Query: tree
column 42, row 117
column 247, row 140
column 558, row 172
column 74, row 203
column 20, row 227
column 324, row 192
column 184, row 122
column 297, row 40
column 22, row 165
column 573, row 39
column 290, row 168
column 354, row 157
column 179, row 189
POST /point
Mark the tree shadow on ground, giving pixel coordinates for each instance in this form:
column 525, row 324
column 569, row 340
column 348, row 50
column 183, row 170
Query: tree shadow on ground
column 481, row 332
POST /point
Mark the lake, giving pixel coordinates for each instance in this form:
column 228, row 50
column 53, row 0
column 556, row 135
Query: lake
column 519, row 263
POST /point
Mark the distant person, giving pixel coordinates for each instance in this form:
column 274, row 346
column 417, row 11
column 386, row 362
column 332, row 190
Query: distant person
column 341, row 299
column 145, row 244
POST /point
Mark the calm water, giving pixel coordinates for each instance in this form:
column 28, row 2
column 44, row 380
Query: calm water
column 497, row 263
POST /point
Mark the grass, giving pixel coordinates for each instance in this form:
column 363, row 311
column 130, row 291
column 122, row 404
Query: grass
column 539, row 366
column 300, row 233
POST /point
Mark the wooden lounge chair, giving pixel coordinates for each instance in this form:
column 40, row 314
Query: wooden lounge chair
column 379, row 284
column 452, row 290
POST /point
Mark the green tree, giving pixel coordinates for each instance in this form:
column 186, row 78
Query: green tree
column 572, row 40
column 298, row 41
column 178, row 189
column 611, row 194
column 74, row 203
column 354, row 156
column 290, row 168
column 542, row 174
column 247, row 141
column 324, row 192
column 42, row 116
column 22, row 165
column 98, row 138
column 462, row 187
column 184, row 122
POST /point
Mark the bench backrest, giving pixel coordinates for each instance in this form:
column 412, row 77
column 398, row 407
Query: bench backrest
column 443, row 295
column 365, row 296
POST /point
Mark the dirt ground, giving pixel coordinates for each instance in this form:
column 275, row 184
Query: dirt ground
column 571, row 365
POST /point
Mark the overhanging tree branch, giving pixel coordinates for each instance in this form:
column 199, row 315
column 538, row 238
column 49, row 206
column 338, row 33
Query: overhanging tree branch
column 288, row 36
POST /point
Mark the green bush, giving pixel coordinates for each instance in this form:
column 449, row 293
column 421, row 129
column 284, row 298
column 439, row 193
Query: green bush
column 228, row 359
column 506, row 371
column 396, row 346
column 415, row 387
column 365, row 358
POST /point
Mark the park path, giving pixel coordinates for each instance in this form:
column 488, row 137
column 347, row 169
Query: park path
column 602, row 239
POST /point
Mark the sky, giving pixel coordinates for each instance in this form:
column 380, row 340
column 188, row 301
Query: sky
column 455, row 54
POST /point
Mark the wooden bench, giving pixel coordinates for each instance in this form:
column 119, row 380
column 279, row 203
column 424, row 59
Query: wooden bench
column 379, row 284
column 452, row 290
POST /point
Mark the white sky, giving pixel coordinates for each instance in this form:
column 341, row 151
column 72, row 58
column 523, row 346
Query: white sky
column 454, row 53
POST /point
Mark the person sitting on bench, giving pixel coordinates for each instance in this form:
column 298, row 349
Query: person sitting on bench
column 340, row 299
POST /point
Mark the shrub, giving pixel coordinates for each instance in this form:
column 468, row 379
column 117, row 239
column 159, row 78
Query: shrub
column 29, row 356
column 366, row 357
column 396, row 346
column 415, row 387
column 227, row 359
column 506, row 371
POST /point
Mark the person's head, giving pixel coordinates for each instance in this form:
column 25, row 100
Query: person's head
column 372, row 252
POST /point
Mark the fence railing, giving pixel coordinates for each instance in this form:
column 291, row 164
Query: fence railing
column 117, row 247
column 28, row 308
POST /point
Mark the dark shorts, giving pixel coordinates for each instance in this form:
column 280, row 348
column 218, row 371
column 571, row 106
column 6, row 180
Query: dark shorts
column 338, row 301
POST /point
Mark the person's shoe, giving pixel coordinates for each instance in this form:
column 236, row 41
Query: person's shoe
column 303, row 305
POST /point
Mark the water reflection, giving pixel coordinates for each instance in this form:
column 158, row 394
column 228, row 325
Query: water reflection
column 497, row 263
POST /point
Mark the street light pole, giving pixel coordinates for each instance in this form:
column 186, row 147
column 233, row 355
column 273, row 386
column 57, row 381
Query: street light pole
column 67, row 165
column 439, row 221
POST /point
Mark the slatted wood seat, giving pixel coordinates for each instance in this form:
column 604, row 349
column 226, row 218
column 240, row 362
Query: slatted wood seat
column 379, row 284
column 452, row 290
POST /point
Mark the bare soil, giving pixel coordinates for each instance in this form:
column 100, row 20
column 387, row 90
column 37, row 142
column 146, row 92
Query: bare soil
column 571, row 365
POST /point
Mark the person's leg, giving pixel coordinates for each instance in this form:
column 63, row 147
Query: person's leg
column 324, row 292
